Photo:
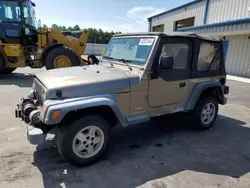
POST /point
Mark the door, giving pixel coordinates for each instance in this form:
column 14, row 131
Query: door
column 170, row 87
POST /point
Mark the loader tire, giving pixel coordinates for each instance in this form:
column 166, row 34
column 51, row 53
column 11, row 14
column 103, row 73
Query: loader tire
column 2, row 64
column 3, row 69
column 8, row 70
column 61, row 57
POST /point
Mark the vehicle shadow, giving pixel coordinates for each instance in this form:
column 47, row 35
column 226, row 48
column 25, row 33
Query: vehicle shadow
column 153, row 150
column 18, row 79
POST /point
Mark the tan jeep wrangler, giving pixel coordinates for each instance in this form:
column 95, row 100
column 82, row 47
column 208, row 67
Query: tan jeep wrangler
column 140, row 76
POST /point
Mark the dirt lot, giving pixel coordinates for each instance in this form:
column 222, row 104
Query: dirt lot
column 161, row 154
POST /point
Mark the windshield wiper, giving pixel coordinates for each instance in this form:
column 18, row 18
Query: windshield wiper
column 109, row 59
column 126, row 62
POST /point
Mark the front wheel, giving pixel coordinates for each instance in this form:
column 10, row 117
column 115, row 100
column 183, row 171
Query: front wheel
column 85, row 141
column 205, row 112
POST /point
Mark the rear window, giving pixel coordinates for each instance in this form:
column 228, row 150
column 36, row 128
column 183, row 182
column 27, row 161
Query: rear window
column 209, row 57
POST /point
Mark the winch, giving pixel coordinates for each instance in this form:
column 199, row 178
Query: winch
column 28, row 111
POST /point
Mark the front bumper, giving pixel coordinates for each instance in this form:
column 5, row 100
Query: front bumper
column 35, row 135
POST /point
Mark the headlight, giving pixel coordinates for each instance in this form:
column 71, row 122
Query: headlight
column 44, row 96
column 31, row 94
column 34, row 86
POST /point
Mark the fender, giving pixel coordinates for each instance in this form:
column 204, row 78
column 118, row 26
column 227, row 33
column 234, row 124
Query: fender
column 69, row 105
column 47, row 49
column 193, row 99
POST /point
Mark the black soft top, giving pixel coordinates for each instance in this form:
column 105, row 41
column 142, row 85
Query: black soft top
column 174, row 34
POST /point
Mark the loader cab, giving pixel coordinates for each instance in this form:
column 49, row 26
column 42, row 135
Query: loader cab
column 17, row 22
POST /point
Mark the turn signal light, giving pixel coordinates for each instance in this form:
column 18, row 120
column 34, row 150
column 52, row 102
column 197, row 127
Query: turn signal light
column 43, row 110
column 55, row 114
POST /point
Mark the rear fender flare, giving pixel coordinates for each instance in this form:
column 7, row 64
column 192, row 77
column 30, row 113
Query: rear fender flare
column 199, row 88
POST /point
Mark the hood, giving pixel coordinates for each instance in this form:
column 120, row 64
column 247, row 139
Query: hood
column 87, row 80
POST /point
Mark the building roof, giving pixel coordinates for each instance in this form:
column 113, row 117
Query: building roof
column 174, row 9
column 174, row 34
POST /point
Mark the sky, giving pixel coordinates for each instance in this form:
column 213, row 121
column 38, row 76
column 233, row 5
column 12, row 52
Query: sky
column 109, row 15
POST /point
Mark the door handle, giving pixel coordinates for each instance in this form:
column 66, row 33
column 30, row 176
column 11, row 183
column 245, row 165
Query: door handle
column 183, row 84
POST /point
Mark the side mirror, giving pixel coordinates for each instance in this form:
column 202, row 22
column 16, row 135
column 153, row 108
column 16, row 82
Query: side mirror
column 166, row 62
column 92, row 59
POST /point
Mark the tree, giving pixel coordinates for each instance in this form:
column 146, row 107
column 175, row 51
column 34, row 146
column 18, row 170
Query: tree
column 54, row 26
column 70, row 28
column 76, row 28
column 94, row 35
column 64, row 28
column 100, row 36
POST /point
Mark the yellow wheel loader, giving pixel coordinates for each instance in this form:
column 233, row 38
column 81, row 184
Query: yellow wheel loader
column 23, row 44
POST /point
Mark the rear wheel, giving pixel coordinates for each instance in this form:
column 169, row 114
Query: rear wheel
column 205, row 112
column 85, row 141
column 61, row 57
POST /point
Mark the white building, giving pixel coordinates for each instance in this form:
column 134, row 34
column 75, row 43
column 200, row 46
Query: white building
column 226, row 19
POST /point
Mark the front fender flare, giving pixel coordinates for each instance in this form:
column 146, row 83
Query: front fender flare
column 199, row 88
column 69, row 105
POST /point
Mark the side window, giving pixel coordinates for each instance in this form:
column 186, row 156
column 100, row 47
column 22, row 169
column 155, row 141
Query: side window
column 8, row 13
column 25, row 12
column 18, row 12
column 179, row 51
column 209, row 57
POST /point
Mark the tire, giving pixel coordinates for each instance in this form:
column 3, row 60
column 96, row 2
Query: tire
column 61, row 51
column 2, row 64
column 8, row 70
column 201, row 118
column 67, row 141
column 3, row 69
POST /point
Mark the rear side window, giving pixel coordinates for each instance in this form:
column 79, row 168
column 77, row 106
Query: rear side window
column 209, row 57
column 179, row 51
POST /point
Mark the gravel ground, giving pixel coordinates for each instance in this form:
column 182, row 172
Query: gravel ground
column 162, row 153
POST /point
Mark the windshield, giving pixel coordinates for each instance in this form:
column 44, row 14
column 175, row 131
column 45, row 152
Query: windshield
column 133, row 50
column 29, row 14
